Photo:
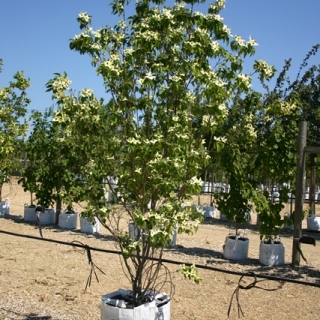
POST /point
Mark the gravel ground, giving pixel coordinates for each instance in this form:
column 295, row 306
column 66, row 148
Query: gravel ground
column 45, row 280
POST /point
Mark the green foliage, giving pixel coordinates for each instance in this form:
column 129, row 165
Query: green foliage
column 191, row 273
column 170, row 72
column 13, row 108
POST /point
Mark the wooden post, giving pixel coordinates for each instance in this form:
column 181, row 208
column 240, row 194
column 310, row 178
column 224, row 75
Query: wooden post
column 312, row 191
column 58, row 209
column 302, row 140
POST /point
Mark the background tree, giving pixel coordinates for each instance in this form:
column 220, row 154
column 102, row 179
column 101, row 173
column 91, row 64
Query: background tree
column 13, row 128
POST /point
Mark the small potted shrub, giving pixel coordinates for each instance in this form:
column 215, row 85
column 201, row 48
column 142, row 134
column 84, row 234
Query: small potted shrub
column 236, row 209
column 272, row 250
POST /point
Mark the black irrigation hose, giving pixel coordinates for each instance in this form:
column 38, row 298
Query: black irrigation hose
column 199, row 266
column 59, row 242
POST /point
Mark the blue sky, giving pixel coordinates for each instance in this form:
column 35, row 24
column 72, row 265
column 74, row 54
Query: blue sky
column 35, row 37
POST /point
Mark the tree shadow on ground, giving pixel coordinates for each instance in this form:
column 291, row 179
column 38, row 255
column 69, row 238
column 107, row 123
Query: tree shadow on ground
column 216, row 260
column 30, row 316
column 285, row 271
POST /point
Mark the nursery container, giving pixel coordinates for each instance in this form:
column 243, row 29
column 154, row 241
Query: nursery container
column 48, row 217
column 68, row 220
column 113, row 307
column 272, row 254
column 30, row 213
column 5, row 207
column 313, row 223
column 209, row 211
column 86, row 225
column 236, row 248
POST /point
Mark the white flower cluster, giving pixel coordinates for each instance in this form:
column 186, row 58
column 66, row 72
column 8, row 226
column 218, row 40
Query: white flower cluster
column 180, row 5
column 61, row 83
column 227, row 30
column 198, row 14
column 218, row 5
column 122, row 24
column 167, row 13
column 250, row 130
column 263, row 67
column 287, row 108
column 217, row 17
column 112, row 64
column 220, row 139
column 84, row 17
column 3, row 93
column 208, row 121
column 215, row 46
column 240, row 41
column 133, row 141
column 86, row 93
column 252, row 42
column 223, row 108
column 246, row 80
column 96, row 46
column 195, row 181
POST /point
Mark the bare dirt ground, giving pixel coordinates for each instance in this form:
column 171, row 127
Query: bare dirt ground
column 45, row 280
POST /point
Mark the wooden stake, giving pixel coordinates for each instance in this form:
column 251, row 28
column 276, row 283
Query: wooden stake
column 302, row 140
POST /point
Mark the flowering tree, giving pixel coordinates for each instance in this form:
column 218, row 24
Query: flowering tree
column 13, row 107
column 259, row 145
column 167, row 69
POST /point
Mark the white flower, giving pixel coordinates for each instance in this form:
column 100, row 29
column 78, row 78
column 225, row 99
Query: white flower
column 252, row 42
column 263, row 67
column 149, row 76
column 122, row 24
column 218, row 5
column 246, row 80
column 84, row 17
column 239, row 40
column 195, row 181
column 133, row 141
column 167, row 13
column 217, row 17
column 86, row 93
column 221, row 139
column 215, row 46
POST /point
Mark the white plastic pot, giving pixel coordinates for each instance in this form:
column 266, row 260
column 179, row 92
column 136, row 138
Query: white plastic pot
column 272, row 254
column 313, row 223
column 173, row 242
column 30, row 213
column 113, row 308
column 86, row 225
column 236, row 248
column 68, row 220
column 48, row 217
column 5, row 207
column 209, row 211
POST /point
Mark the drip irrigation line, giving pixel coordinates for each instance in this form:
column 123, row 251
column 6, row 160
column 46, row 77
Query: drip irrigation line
column 60, row 242
column 199, row 266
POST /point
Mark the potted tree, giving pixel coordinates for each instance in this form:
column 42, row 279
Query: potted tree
column 41, row 176
column 236, row 207
column 271, row 250
column 165, row 96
